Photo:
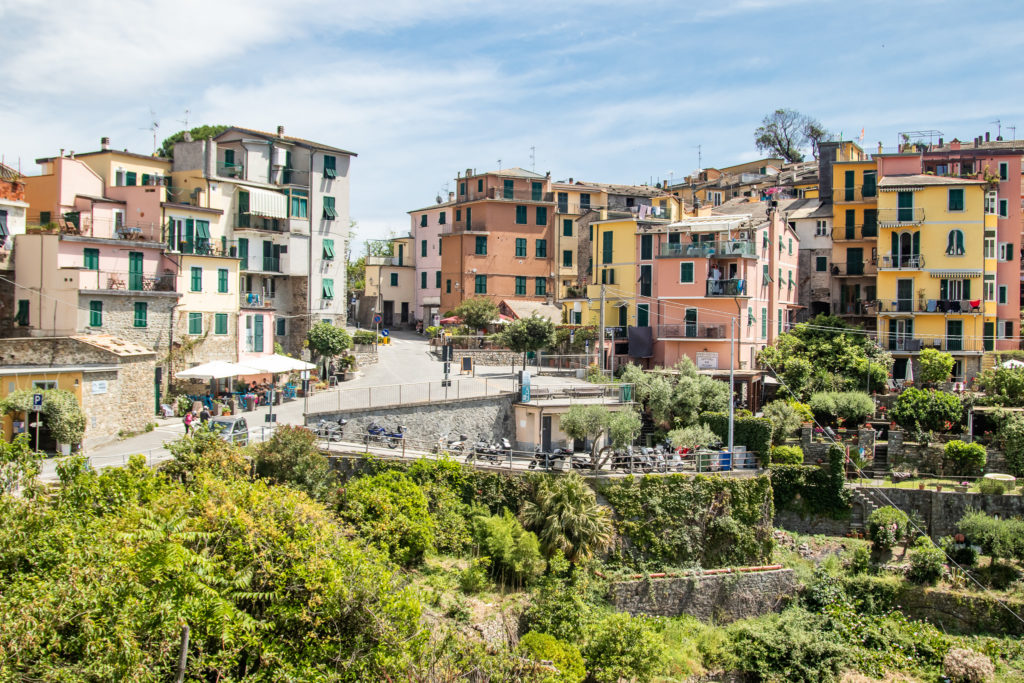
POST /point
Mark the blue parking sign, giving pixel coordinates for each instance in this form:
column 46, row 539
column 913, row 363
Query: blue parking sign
column 37, row 402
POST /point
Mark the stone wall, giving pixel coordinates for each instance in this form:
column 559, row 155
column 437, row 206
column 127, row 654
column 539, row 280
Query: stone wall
column 425, row 422
column 482, row 357
column 964, row 612
column 792, row 521
column 941, row 510
column 719, row 597
column 119, row 317
column 928, row 457
column 211, row 346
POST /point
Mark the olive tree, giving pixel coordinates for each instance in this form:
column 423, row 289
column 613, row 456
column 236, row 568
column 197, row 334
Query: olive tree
column 327, row 340
column 595, row 421
column 477, row 312
column 528, row 334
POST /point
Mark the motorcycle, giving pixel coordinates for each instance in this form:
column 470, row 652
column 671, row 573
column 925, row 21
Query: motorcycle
column 329, row 430
column 490, row 451
column 390, row 439
column 449, row 444
column 549, row 460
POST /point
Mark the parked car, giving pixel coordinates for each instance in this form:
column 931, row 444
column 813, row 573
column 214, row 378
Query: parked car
column 231, row 428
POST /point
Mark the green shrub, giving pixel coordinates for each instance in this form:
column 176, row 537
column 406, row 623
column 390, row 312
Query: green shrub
column 853, row 407
column 927, row 410
column 291, row 457
column 562, row 607
column 473, row 578
column 787, row 455
column 390, row 511
column 514, row 552
column 992, row 487
column 621, row 646
column 753, row 432
column 926, row 562
column 432, row 331
column 886, row 527
column 964, row 459
column 565, row 657
column 1009, row 438
column 998, row 538
column 365, row 336
column 813, row 490
column 785, row 419
column 859, row 561
column 788, row 647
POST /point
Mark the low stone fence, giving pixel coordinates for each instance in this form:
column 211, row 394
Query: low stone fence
column 928, row 457
column 723, row 597
column 483, row 357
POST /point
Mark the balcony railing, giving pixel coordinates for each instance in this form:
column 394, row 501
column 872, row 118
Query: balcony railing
column 387, row 261
column 856, row 307
column 255, row 300
column 109, row 228
column 246, row 221
column 576, row 207
column 944, row 306
column 717, row 249
column 475, row 226
column 271, row 264
column 294, row 176
column 854, row 268
column 891, row 218
column 691, row 331
column 857, row 193
column 230, row 170
column 112, row 280
column 858, row 232
column 509, row 195
column 733, row 287
column 918, row 344
column 902, row 262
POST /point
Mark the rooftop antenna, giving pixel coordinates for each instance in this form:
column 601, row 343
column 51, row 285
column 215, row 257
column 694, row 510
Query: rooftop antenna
column 533, row 158
column 154, row 126
column 499, row 164
column 1013, row 132
column 999, row 128
column 185, row 122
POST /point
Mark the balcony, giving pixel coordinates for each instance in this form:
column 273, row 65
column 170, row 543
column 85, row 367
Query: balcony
column 858, row 193
column 854, row 268
column 230, row 170
column 733, row 287
column 111, row 281
column 246, row 221
column 477, row 226
column 255, row 300
column 271, row 264
column 940, row 306
column 717, row 249
column 856, row 308
column 509, row 196
column 902, row 262
column 294, row 176
column 691, row 331
column 900, row 343
column 855, row 233
column 79, row 225
column 895, row 218
column 576, row 208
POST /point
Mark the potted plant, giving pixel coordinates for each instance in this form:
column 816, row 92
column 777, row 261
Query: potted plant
column 938, row 487
column 920, row 487
column 962, row 487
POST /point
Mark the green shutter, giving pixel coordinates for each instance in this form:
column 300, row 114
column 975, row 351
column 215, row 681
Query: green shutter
column 646, row 247
column 536, row 190
column 257, row 334
column 202, row 230
column 243, row 252
column 129, row 178
column 956, row 199
column 21, row 317
column 141, row 311
column 848, row 184
column 870, row 184
column 542, row 215
column 329, row 249
column 423, row 279
column 870, row 228
column 542, row 249
column 222, row 280
column 135, row 271
column 567, row 227
column 327, row 291
column 540, row 287
column 95, row 314
column 437, row 279
column 567, row 258
column 507, row 191
column 220, row 323
column 943, row 289
column 520, row 246
column 850, row 220
column 764, row 322
column 423, row 248
column 195, row 323
column 686, row 272
column 91, row 259
column 481, row 245
column 190, row 236
column 520, row 284
column 520, row 215
column 480, row 284
column 197, row 279
column 394, row 279
column 330, row 167
column 329, row 211
column 643, row 315
column 606, row 247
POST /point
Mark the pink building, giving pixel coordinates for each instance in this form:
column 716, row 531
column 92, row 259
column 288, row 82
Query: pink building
column 698, row 275
column 426, row 227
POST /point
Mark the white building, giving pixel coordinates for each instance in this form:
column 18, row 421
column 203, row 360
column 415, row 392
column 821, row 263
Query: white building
column 813, row 225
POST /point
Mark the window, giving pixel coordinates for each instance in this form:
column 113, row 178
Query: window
column 197, row 279
column 541, row 249
column 243, row 251
column 990, row 246
column 1005, row 329
column 764, row 322
column 469, row 218
column 779, row 318
column 645, row 280
column 1004, row 170
column 520, row 215
column 328, row 246
column 330, row 166
column 643, row 316
column 480, row 284
column 520, row 247
column 458, row 215
column 91, row 258
column 480, row 185
column 536, row 190
column 990, row 288
column 281, row 329
column 540, row 286
column 1003, row 290
column 954, row 290
column 44, row 384
column 765, row 277
column 765, row 242
column 440, row 243
column 442, row 218
column 129, row 178
column 606, row 247
column 300, row 203
column 437, row 279
column 870, row 228
column 821, row 264
column 646, row 247
column 955, row 243
column 584, row 201
column 991, row 201
column 686, row 272
column 1005, row 251
column 462, row 188
column 508, row 189
column 447, row 286
column 195, row 323
column 222, row 280
column 423, row 221
column 870, row 184
column 329, row 211
column 567, row 258
column 542, row 215
column 481, row 245
column 95, row 314
column 520, row 284
column 21, row 317
column 566, row 227
column 608, row 276
column 423, row 279
column 1004, row 208
column 220, row 323
column 955, row 201
column 750, row 316
column 790, row 246
column 394, row 279
column 327, row 288
column 820, row 229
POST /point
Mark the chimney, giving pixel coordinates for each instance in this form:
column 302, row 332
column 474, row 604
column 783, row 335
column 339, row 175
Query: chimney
column 451, row 196
column 570, row 181
column 71, row 154
column 954, row 145
column 986, row 136
column 62, row 152
column 976, row 141
column 940, row 142
column 104, row 144
column 280, row 131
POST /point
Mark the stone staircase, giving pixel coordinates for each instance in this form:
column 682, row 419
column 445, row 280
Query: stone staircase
column 880, row 466
column 864, row 503
column 988, row 361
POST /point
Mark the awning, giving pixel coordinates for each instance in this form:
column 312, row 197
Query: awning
column 955, row 274
column 217, row 369
column 276, row 364
column 267, row 203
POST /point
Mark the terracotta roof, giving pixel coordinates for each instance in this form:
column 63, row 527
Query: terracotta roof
column 121, row 152
column 634, row 190
column 524, row 308
column 516, row 172
column 922, row 179
column 433, row 206
column 289, row 138
column 115, row 345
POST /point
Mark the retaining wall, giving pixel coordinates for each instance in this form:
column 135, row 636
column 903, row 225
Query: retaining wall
column 941, row 510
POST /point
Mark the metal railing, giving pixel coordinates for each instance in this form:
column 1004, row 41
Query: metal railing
column 509, row 195
column 255, row 300
column 271, row 264
column 115, row 280
column 294, row 176
column 916, row 344
column 732, row 287
column 856, row 307
column 856, row 193
column 717, row 249
column 337, row 400
column 230, row 170
column 891, row 217
column 109, row 228
column 460, row 226
column 908, row 261
column 248, row 221
column 854, row 268
column 962, row 306
column 856, row 232
column 690, row 331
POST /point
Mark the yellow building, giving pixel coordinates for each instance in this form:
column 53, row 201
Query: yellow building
column 936, row 270
column 573, row 199
column 854, row 239
column 614, row 255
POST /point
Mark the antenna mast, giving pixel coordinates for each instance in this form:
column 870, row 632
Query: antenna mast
column 533, row 158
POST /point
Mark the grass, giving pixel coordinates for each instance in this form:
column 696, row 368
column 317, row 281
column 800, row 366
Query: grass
column 947, row 483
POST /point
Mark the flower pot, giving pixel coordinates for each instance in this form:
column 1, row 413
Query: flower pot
column 961, row 489
column 938, row 487
column 920, row 487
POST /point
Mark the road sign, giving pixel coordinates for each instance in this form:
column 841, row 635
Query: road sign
column 37, row 402
column 377, row 319
column 447, row 367
column 524, row 379
column 384, row 333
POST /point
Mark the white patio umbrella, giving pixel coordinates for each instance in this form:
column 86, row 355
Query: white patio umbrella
column 276, row 364
column 217, row 369
column 1012, row 363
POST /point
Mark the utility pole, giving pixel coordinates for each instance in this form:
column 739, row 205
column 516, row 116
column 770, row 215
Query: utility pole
column 600, row 349
column 732, row 383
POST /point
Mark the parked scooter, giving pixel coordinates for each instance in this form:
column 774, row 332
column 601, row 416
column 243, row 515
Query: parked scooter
column 549, row 460
column 330, row 430
column 450, row 444
column 390, row 439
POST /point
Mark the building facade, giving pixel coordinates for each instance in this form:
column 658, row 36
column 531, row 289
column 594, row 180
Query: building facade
column 426, row 227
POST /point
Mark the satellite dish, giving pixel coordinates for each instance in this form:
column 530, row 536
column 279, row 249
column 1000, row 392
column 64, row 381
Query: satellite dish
column 437, row 199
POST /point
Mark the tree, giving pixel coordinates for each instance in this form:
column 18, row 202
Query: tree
column 528, row 334
column 61, row 413
column 694, row 437
column 785, row 132
column 390, row 512
column 676, row 397
column 1003, row 386
column 566, row 517
column 197, row 133
column 594, row 421
column 327, row 340
column 936, row 366
column 622, row 647
column 291, row 457
column 927, row 409
column 785, row 420
column 477, row 312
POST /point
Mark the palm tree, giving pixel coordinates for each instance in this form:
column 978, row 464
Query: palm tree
column 566, row 517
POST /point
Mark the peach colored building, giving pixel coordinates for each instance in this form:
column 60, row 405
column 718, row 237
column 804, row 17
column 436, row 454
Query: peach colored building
column 426, row 227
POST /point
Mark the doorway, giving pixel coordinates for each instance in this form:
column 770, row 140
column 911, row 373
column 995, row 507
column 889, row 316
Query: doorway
column 405, row 311
column 545, row 433
column 388, row 315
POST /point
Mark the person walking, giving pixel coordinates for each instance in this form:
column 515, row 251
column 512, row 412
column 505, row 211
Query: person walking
column 188, row 423
column 204, row 416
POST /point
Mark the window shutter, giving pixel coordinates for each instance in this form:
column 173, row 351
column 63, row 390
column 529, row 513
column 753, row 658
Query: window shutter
column 967, row 289
column 944, row 289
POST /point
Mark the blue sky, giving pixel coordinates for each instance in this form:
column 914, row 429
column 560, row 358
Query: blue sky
column 605, row 91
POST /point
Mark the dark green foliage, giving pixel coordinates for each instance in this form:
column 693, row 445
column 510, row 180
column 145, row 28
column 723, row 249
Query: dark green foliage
column 785, row 417
column 390, row 512
column 787, row 455
column 1003, row 386
column 887, row 526
column 926, row 562
column 477, row 312
column 964, row 459
column 991, row 487
column 1010, row 439
column 204, row 451
column 813, row 490
column 19, row 465
column 998, row 538
column 198, row 133
column 851, row 407
column 563, row 606
column 364, row 337
column 624, row 647
column 291, row 457
column 565, row 657
column 927, row 409
column 527, row 334
column 676, row 520
column 567, row 519
column 753, row 432
column 327, row 340
column 859, row 560
column 61, row 412
column 788, row 647
column 514, row 553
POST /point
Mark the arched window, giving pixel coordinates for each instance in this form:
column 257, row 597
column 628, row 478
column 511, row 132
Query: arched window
column 955, row 243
